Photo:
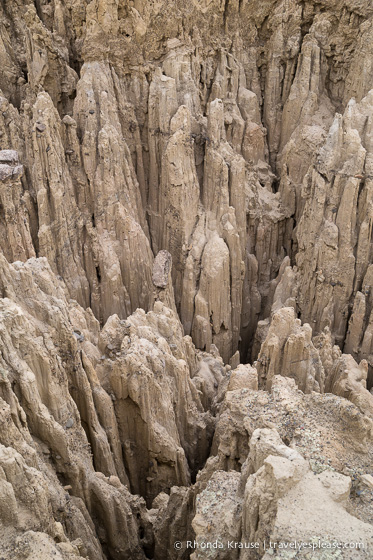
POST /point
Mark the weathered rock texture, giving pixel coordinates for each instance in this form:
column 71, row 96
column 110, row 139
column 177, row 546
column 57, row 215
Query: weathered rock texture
column 94, row 414
column 148, row 128
column 184, row 186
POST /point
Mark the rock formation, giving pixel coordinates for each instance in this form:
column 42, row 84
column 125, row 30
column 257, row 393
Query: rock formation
column 186, row 273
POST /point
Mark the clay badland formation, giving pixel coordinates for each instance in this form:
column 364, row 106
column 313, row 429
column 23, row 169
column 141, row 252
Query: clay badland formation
column 186, row 276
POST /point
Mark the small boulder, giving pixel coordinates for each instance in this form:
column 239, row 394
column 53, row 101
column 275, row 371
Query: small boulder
column 161, row 268
column 9, row 156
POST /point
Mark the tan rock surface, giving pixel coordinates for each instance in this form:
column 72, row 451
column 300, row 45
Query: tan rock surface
column 286, row 503
column 288, row 350
column 185, row 218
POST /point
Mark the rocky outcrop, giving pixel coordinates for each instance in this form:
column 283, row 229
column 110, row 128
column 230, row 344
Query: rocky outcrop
column 288, row 350
column 285, row 503
column 279, row 497
column 328, row 232
column 190, row 130
column 14, row 223
column 344, row 377
column 301, row 420
column 164, row 429
column 46, row 452
column 217, row 518
column 80, row 438
column 76, row 415
column 185, row 275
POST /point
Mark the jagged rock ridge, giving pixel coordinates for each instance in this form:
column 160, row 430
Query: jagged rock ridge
column 183, row 186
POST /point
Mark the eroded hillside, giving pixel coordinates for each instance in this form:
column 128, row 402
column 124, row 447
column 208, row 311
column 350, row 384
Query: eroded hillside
column 186, row 188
